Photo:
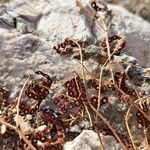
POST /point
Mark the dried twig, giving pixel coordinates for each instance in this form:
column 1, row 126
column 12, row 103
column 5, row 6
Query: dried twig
column 2, row 121
column 107, row 44
column 16, row 128
column 85, row 69
column 145, row 135
column 105, row 29
column 99, row 91
column 18, row 101
column 81, row 60
column 71, row 120
column 127, row 117
column 100, row 139
column 89, row 115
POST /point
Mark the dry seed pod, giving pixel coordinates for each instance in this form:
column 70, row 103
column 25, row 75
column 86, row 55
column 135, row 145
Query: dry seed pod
column 65, row 47
column 141, row 119
column 75, row 88
column 4, row 93
column 116, row 44
column 39, row 91
column 98, row 5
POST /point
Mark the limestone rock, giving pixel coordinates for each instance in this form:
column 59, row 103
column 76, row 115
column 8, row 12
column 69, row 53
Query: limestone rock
column 56, row 20
column 88, row 140
column 30, row 29
column 138, row 7
column 49, row 22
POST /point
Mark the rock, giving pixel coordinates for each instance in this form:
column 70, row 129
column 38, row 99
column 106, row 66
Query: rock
column 57, row 20
column 75, row 128
column 3, row 129
column 28, row 117
column 88, row 140
column 141, row 8
column 27, row 47
column 136, row 32
column 84, row 123
column 24, row 125
column 40, row 128
column 49, row 107
column 6, row 19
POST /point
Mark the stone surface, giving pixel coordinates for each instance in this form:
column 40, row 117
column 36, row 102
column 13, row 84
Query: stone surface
column 138, row 7
column 48, row 23
column 24, row 124
column 30, row 29
column 136, row 32
column 88, row 140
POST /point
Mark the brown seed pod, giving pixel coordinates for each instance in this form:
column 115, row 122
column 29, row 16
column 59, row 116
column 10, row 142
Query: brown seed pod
column 65, row 47
column 141, row 119
column 98, row 5
column 4, row 93
column 37, row 90
column 76, row 89
column 116, row 44
column 94, row 100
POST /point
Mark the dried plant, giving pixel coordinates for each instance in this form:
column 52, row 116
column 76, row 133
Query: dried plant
column 75, row 101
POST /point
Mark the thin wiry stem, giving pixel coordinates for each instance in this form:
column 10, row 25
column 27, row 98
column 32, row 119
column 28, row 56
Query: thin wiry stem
column 86, row 69
column 99, row 91
column 107, row 44
column 109, row 126
column 18, row 101
column 89, row 115
column 2, row 121
column 100, row 139
column 81, row 60
column 145, row 135
column 109, row 57
column 127, row 117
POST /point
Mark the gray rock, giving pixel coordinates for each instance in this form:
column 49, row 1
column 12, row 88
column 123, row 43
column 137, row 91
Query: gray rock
column 42, row 24
column 6, row 20
column 134, row 29
column 138, row 7
column 56, row 20
column 136, row 32
column 88, row 140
